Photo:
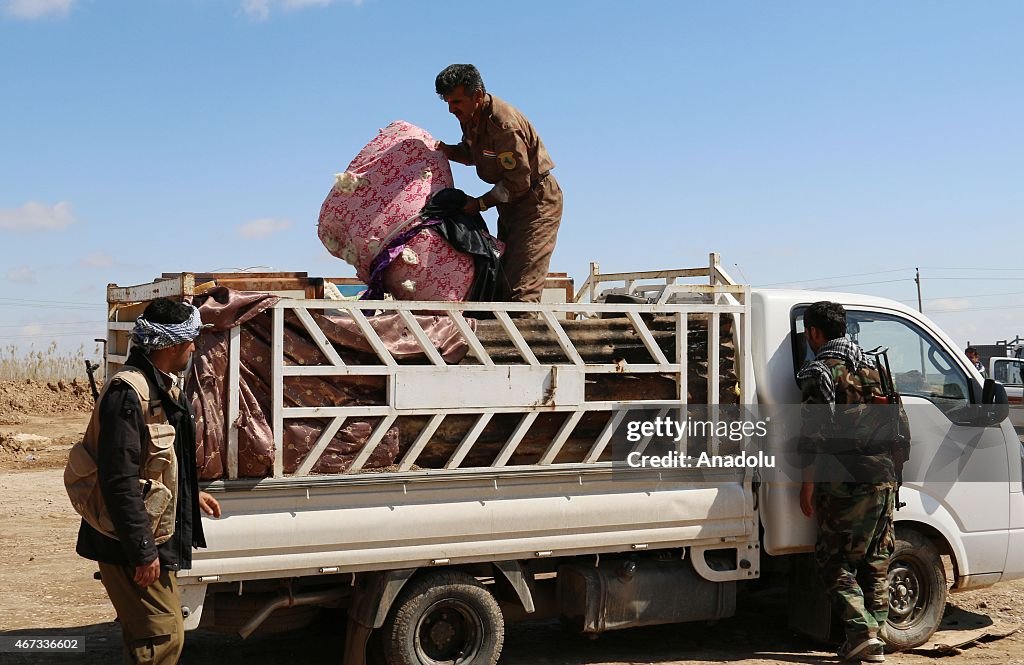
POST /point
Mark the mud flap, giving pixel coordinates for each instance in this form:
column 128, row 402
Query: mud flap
column 371, row 601
column 810, row 609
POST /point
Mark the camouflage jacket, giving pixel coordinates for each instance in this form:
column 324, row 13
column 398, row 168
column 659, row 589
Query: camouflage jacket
column 847, row 428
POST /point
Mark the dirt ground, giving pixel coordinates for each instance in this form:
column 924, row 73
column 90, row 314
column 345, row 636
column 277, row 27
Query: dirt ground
column 46, row 590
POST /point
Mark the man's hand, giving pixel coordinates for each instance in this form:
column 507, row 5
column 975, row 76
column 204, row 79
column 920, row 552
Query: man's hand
column 147, row 573
column 445, row 148
column 807, row 498
column 209, row 505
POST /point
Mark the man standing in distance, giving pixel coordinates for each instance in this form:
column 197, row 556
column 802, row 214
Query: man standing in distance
column 142, row 519
column 507, row 153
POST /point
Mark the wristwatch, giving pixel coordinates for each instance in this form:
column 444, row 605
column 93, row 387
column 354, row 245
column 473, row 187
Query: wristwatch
column 480, row 202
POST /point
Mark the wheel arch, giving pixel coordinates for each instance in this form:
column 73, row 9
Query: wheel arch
column 937, row 538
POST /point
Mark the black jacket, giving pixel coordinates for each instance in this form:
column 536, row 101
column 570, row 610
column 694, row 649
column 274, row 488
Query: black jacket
column 120, row 449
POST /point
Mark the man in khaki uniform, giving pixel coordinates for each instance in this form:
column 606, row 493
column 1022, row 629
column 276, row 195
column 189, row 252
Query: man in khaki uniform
column 507, row 153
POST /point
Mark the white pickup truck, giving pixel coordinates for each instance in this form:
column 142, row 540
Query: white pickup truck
column 439, row 556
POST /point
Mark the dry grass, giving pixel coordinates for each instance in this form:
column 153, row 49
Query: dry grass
column 44, row 365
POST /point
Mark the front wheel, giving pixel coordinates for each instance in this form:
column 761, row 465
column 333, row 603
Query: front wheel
column 444, row 618
column 917, row 591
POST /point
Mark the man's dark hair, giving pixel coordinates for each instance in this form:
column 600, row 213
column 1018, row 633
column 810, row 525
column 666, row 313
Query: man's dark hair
column 969, row 350
column 453, row 76
column 165, row 310
column 828, row 317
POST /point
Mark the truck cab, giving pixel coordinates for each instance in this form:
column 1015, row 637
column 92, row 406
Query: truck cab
column 962, row 484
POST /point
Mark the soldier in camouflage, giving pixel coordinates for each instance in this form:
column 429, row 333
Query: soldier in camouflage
column 849, row 479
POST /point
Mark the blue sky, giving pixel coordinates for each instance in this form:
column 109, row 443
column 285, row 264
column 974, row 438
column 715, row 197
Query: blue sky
column 804, row 141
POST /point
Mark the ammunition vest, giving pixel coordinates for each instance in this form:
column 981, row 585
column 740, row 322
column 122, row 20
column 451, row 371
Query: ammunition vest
column 158, row 469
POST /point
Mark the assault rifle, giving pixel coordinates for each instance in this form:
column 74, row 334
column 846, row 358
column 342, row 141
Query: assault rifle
column 900, row 430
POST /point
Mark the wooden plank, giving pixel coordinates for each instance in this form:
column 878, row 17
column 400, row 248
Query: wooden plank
column 645, row 336
column 517, row 436
column 467, row 441
column 563, row 340
column 420, row 443
column 517, row 337
column 606, row 435
column 563, row 435
column 164, row 288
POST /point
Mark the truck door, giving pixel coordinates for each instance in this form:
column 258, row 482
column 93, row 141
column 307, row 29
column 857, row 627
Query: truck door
column 957, row 473
column 955, row 467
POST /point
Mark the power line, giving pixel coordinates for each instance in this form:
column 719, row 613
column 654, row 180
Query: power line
column 53, row 302
column 52, row 323
column 973, row 309
column 843, row 286
column 825, row 279
column 883, row 272
column 977, row 269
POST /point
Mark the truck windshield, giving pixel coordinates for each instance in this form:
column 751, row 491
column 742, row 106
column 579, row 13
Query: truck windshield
column 920, row 365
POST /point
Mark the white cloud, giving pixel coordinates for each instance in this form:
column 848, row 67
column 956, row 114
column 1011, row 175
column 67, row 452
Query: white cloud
column 31, row 10
column 260, row 10
column 97, row 260
column 31, row 330
column 34, row 216
column 257, row 9
column 263, row 227
column 22, row 275
column 948, row 304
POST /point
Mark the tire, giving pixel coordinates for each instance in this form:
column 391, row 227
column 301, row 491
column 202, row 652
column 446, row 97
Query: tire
column 917, row 591
column 444, row 617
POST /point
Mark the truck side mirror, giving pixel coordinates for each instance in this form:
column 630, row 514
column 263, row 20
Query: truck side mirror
column 988, row 391
column 993, row 409
column 995, row 405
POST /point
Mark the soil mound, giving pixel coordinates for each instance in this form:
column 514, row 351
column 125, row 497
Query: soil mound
column 36, row 397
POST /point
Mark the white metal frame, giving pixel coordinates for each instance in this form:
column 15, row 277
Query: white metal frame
column 562, row 382
column 519, row 382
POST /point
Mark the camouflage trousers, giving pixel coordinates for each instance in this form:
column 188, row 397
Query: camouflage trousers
column 855, row 541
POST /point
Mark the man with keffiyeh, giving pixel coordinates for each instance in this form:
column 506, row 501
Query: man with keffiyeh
column 849, row 479
column 142, row 438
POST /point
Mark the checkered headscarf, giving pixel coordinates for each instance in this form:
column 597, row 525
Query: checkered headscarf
column 151, row 336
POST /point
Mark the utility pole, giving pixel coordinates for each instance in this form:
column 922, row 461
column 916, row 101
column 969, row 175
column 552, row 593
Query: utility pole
column 920, row 308
column 917, row 280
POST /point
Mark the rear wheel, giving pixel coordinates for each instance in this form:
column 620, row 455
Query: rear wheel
column 444, row 618
column 917, row 591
